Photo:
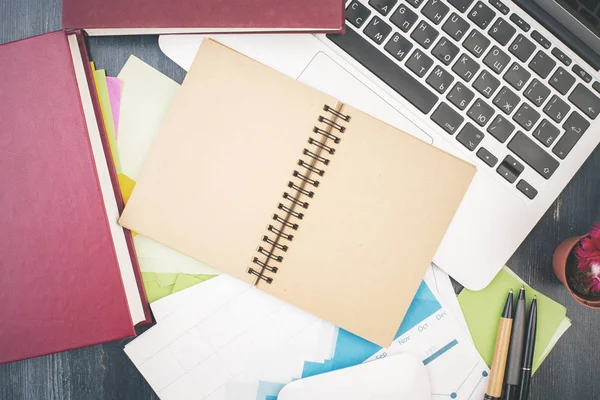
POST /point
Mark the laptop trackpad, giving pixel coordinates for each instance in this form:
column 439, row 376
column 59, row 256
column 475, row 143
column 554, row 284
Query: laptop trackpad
column 329, row 77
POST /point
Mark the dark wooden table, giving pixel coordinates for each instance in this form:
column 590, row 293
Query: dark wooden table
column 104, row 372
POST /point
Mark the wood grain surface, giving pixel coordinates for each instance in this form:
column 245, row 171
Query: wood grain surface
column 104, row 372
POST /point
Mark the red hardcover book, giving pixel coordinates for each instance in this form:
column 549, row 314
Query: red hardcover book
column 70, row 276
column 122, row 17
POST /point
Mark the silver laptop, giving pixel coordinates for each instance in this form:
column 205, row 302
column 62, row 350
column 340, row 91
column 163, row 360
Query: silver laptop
column 512, row 87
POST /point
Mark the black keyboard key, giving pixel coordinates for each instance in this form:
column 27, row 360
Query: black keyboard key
column 482, row 15
column 486, row 84
column 419, row 63
column 386, row 70
column 383, row 6
column 510, row 169
column 461, row 5
column 501, row 128
column 460, row 96
column 496, row 59
column 506, row 100
column 465, row 67
column 517, row 76
column 445, row 51
column 520, row 22
column 561, row 80
column 580, row 72
column 487, row 157
column 500, row 6
column 435, row 11
column 533, row 155
column 456, row 27
column 542, row 64
column 502, row 31
column 404, row 18
column 398, row 46
column 440, row 79
column 522, row 48
column 480, row 112
column 448, row 119
column 585, row 100
column 470, row 137
column 557, row 109
column 537, row 92
column 546, row 133
column 541, row 39
column 596, row 86
column 476, row 43
column 575, row 126
column 377, row 30
column 576, row 123
column 424, row 34
column 526, row 116
column 515, row 165
column 507, row 173
column 562, row 57
column 527, row 189
column 415, row 3
column 357, row 14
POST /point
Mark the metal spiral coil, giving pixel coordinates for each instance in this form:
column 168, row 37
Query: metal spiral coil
column 300, row 189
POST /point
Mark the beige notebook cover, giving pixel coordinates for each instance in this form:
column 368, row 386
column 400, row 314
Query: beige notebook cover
column 284, row 187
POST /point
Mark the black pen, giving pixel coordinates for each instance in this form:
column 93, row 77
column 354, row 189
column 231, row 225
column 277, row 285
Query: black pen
column 515, row 352
column 528, row 351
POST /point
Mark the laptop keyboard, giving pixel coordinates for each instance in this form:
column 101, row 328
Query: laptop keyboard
column 480, row 75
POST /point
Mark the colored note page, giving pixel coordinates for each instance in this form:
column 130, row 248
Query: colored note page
column 161, row 285
column 482, row 311
column 268, row 344
column 114, row 95
column 107, row 115
column 146, row 96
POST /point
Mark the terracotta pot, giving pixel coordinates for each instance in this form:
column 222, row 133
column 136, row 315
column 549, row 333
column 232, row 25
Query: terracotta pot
column 559, row 263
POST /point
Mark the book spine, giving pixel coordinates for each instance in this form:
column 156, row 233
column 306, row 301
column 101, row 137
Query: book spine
column 326, row 135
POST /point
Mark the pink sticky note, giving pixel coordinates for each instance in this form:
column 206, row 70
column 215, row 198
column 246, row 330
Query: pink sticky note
column 114, row 93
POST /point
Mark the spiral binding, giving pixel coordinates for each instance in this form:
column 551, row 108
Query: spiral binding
column 287, row 214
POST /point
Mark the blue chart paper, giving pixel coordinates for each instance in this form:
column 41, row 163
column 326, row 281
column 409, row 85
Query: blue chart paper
column 456, row 370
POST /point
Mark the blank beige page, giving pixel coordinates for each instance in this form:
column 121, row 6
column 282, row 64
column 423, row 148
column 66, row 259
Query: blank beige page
column 222, row 159
column 372, row 228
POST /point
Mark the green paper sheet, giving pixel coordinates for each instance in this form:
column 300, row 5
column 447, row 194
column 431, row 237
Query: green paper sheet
column 185, row 281
column 102, row 87
column 159, row 285
column 482, row 311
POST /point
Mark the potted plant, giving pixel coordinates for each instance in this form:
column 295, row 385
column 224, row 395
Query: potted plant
column 576, row 263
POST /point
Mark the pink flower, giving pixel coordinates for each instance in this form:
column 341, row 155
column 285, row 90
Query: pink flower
column 588, row 257
column 593, row 279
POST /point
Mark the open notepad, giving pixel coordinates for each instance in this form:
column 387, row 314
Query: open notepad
column 287, row 188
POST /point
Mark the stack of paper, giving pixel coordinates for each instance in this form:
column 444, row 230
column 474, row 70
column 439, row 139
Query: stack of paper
column 226, row 340
column 482, row 310
column 133, row 106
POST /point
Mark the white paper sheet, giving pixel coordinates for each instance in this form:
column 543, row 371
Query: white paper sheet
column 225, row 330
column 441, row 285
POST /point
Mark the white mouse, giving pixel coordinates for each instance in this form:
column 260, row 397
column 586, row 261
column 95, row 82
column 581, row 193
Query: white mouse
column 400, row 377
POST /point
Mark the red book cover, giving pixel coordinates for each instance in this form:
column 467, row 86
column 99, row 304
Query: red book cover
column 112, row 17
column 62, row 286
